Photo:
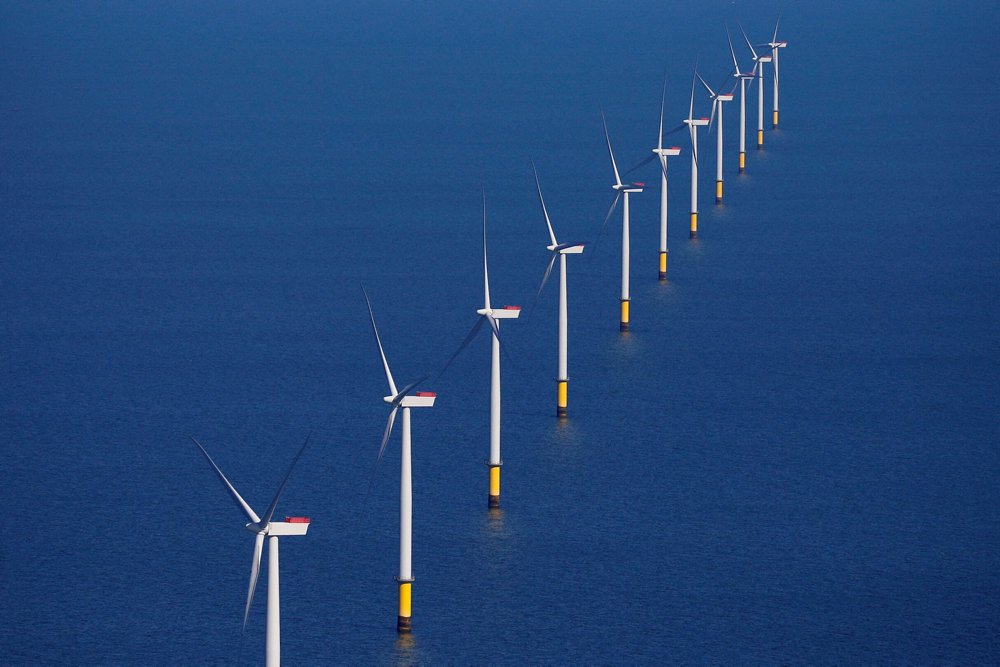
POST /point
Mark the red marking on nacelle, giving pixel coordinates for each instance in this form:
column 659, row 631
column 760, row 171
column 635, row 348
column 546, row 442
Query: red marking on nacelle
column 426, row 393
column 512, row 307
column 296, row 519
column 641, row 185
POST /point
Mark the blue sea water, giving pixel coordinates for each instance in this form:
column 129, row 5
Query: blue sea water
column 791, row 458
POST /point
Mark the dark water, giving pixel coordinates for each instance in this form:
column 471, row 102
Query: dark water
column 792, row 458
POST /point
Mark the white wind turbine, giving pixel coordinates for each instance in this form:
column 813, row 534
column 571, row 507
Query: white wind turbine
column 401, row 399
column 717, row 100
column 272, row 529
column 759, row 59
column 489, row 314
column 626, row 189
column 693, row 125
column 775, row 45
column 743, row 77
column 559, row 250
column 663, row 154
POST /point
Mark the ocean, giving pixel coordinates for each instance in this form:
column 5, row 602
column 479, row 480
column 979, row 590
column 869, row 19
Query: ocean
column 791, row 457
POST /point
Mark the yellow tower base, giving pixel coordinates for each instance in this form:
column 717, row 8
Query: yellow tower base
column 694, row 225
column 494, row 500
column 561, row 405
column 403, row 621
column 743, row 161
column 624, row 322
column 663, row 265
column 760, row 139
column 774, row 121
column 718, row 192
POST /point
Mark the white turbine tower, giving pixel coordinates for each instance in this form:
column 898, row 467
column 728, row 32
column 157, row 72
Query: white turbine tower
column 693, row 125
column 743, row 77
column 759, row 59
column 272, row 530
column 717, row 100
column 489, row 314
column 775, row 45
column 663, row 154
column 559, row 250
column 402, row 399
column 626, row 189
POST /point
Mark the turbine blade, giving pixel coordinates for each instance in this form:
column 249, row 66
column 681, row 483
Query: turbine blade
column 663, row 165
column 711, row 119
column 406, row 390
column 663, row 97
column 680, row 126
column 722, row 85
column 618, row 180
column 465, row 343
column 691, row 103
column 496, row 332
column 381, row 448
column 486, row 271
column 545, row 279
column 385, row 364
column 774, row 39
column 606, row 218
column 548, row 223
column 707, row 87
column 258, row 547
column 694, row 144
column 731, row 50
column 748, row 43
column 229, row 487
column 642, row 163
column 274, row 503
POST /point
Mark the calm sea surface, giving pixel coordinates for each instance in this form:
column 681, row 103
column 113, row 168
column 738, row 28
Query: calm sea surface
column 792, row 458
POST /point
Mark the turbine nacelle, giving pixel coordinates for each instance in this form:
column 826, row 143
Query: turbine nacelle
column 667, row 152
column 724, row 97
column 292, row 525
column 763, row 59
column 418, row 399
column 505, row 313
column 696, row 121
column 629, row 187
column 566, row 248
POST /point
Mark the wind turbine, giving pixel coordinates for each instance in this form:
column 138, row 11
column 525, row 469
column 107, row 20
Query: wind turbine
column 775, row 45
column 662, row 153
column 489, row 314
column 743, row 77
column 626, row 189
column 693, row 125
column 401, row 399
column 559, row 250
column 759, row 59
column 272, row 529
column 717, row 100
